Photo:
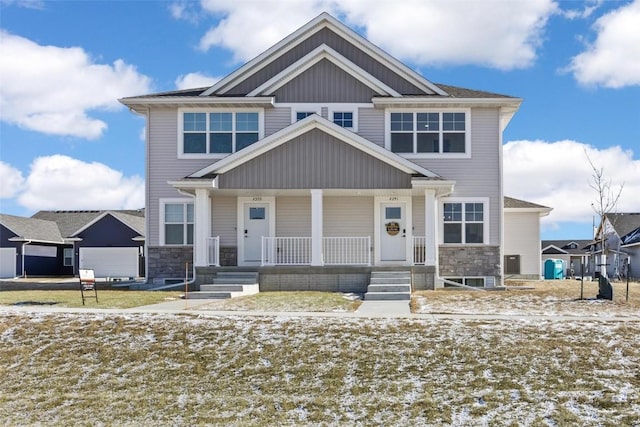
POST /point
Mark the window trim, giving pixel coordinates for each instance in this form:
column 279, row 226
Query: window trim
column 440, row 155
column 329, row 107
column 485, row 223
column 65, row 257
column 207, row 111
column 161, row 222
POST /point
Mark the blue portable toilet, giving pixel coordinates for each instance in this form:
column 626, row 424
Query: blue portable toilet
column 553, row 269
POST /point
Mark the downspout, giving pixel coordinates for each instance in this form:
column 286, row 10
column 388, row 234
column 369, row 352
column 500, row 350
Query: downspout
column 24, row 273
column 193, row 264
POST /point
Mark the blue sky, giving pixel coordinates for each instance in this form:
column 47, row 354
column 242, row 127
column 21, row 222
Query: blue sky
column 66, row 143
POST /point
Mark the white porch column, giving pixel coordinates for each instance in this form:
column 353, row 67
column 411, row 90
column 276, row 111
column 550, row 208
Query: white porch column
column 431, row 227
column 316, row 227
column 202, row 227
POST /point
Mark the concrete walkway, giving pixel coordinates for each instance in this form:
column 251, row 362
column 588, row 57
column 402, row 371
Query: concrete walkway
column 369, row 309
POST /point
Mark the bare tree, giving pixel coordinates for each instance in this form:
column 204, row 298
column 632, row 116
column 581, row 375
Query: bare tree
column 607, row 196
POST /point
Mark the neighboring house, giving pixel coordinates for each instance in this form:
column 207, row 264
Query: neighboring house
column 631, row 245
column 31, row 246
column 62, row 242
column 320, row 160
column 574, row 253
column 620, row 232
column 522, row 238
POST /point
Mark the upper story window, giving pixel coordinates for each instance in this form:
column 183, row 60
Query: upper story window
column 464, row 222
column 428, row 133
column 342, row 114
column 177, row 224
column 303, row 114
column 218, row 132
column 343, row 118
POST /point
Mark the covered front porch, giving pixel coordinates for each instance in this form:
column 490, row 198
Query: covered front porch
column 317, row 227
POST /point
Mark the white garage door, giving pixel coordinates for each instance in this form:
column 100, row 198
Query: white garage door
column 7, row 262
column 110, row 262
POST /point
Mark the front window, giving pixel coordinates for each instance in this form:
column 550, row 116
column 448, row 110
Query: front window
column 67, row 257
column 219, row 132
column 428, row 132
column 178, row 224
column 464, row 222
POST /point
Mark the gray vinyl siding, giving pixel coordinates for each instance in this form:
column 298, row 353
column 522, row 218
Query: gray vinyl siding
column 340, row 45
column 276, row 119
column 348, row 216
column 324, row 82
column 371, row 125
column 293, row 216
column 224, row 219
column 478, row 176
column 417, row 214
column 315, row 160
column 163, row 166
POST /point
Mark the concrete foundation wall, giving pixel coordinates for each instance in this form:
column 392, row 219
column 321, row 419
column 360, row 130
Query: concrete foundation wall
column 324, row 279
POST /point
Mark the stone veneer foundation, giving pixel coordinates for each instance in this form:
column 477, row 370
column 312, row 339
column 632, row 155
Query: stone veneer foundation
column 470, row 261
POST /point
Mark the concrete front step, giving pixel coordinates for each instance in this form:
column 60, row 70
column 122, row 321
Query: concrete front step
column 387, row 296
column 234, row 281
column 210, row 295
column 390, row 273
column 228, row 284
column 389, row 288
column 390, row 280
column 219, row 288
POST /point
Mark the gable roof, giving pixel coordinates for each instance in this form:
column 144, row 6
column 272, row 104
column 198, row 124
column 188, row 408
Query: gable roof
column 32, row 229
column 564, row 246
column 517, row 205
column 324, row 20
column 71, row 223
column 623, row 223
column 305, row 125
column 322, row 52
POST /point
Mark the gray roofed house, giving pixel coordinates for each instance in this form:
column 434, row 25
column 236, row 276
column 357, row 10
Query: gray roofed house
column 29, row 229
column 622, row 251
column 54, row 243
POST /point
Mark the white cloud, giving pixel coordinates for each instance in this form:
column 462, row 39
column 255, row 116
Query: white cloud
column 558, row 175
column 195, row 80
column 29, row 4
column 61, row 182
column 11, row 181
column 53, row 89
column 613, row 60
column 499, row 34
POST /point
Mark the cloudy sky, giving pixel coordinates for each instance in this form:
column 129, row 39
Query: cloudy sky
column 66, row 143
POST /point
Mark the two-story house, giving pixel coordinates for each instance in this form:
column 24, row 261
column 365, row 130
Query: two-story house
column 320, row 160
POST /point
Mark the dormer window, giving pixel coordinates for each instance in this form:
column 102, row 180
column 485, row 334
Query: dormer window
column 343, row 118
column 428, row 133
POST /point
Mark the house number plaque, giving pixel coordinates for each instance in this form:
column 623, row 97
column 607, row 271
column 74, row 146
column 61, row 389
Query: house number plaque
column 393, row 228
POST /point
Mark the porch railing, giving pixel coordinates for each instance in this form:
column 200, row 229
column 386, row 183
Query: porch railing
column 346, row 250
column 213, row 251
column 418, row 252
column 286, row 250
column 297, row 250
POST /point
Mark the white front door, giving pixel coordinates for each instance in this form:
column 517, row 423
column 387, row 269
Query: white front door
column 393, row 232
column 256, row 225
